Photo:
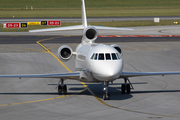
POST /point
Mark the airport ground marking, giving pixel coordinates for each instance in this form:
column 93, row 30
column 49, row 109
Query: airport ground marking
column 100, row 100
column 35, row 101
column 38, row 42
column 47, row 51
column 25, row 49
column 85, row 88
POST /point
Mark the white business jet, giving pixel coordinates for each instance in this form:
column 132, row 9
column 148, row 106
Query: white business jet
column 94, row 62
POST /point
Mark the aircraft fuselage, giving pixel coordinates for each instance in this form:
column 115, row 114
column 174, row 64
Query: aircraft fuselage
column 98, row 62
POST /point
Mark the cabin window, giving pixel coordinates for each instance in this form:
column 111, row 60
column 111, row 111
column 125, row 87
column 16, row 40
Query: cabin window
column 101, row 56
column 108, row 57
column 114, row 57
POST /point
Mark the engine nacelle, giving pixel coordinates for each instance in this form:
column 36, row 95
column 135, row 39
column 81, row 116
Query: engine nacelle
column 118, row 48
column 90, row 34
column 64, row 52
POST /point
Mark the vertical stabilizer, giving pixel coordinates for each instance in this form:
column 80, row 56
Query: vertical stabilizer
column 89, row 32
column 84, row 19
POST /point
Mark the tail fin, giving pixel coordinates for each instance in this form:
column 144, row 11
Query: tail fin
column 84, row 19
column 79, row 27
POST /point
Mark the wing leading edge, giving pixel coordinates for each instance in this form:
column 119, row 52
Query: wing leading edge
column 137, row 74
column 63, row 75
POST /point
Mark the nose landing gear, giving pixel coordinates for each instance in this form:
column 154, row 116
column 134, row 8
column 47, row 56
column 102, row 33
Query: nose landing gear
column 106, row 95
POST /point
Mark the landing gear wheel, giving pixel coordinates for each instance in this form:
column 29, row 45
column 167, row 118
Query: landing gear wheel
column 59, row 90
column 123, row 88
column 128, row 89
column 65, row 90
column 106, row 97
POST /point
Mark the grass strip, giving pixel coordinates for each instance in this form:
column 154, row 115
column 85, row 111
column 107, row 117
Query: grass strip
column 92, row 12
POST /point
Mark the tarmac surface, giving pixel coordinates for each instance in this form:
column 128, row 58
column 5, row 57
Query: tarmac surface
column 153, row 97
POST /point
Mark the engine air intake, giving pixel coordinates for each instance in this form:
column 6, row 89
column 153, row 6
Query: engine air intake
column 64, row 52
column 90, row 33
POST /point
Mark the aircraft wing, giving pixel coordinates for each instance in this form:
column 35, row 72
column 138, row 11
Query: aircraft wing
column 63, row 75
column 137, row 74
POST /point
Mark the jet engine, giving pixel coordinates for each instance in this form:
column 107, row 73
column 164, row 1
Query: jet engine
column 118, row 48
column 90, row 34
column 64, row 52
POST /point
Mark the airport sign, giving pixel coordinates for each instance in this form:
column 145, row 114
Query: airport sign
column 34, row 23
column 54, row 22
column 43, row 22
column 24, row 25
column 12, row 25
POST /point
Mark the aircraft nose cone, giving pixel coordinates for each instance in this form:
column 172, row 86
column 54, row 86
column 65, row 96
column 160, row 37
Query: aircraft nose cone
column 108, row 71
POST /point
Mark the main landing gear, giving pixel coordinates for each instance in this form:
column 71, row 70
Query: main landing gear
column 126, row 87
column 62, row 88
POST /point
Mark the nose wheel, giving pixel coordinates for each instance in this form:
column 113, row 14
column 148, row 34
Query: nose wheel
column 106, row 95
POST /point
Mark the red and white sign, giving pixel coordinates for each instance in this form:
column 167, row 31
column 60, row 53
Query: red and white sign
column 54, row 22
column 12, row 25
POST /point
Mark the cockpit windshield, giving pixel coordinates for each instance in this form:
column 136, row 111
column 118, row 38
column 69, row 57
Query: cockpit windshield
column 114, row 57
column 108, row 56
column 101, row 56
column 95, row 57
column 105, row 56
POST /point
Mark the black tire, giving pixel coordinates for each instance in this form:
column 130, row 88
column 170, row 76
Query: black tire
column 65, row 90
column 128, row 89
column 59, row 90
column 104, row 96
column 123, row 88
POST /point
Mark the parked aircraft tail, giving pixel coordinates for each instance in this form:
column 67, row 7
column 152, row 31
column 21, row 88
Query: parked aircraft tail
column 90, row 32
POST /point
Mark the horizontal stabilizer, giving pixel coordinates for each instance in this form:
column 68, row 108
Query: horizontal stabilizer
column 77, row 27
column 110, row 28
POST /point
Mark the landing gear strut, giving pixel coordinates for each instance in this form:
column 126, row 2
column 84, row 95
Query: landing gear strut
column 126, row 87
column 62, row 88
column 106, row 95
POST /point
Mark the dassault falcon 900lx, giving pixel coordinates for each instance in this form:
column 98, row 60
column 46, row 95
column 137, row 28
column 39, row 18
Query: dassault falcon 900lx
column 94, row 62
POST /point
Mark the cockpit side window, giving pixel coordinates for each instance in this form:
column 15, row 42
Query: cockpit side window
column 117, row 54
column 101, row 56
column 95, row 57
column 108, row 56
column 92, row 56
column 113, row 56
